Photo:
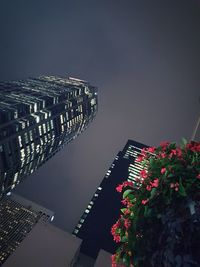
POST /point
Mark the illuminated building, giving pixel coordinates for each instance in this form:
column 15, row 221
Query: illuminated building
column 103, row 210
column 38, row 116
column 18, row 216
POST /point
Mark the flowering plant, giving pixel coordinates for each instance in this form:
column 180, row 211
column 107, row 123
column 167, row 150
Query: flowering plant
column 159, row 225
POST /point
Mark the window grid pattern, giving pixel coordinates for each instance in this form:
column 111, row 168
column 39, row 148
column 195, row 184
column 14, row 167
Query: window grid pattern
column 38, row 116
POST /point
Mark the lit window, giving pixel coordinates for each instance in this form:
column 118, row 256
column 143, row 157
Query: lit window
column 20, row 140
column 44, row 128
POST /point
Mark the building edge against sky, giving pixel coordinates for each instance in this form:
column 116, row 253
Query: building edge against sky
column 94, row 226
column 38, row 116
column 18, row 216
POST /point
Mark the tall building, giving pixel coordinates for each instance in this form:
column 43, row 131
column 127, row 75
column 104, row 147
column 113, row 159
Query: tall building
column 46, row 246
column 37, row 117
column 94, row 226
column 18, row 217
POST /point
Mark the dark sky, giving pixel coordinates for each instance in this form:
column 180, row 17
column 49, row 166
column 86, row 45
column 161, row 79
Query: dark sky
column 143, row 55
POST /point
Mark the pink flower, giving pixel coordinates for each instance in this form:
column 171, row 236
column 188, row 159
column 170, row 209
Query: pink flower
column 114, row 228
column 117, row 238
column 172, row 185
column 155, row 183
column 124, row 184
column 193, row 146
column 124, row 201
column 113, row 259
column 176, row 152
column 127, row 183
column 179, row 152
column 163, row 170
column 119, row 188
column 127, row 223
column 164, row 145
column 143, row 174
column 139, row 158
column 144, row 201
column 127, row 211
column 148, row 188
column 198, row 176
column 175, row 186
column 163, row 155
column 151, row 149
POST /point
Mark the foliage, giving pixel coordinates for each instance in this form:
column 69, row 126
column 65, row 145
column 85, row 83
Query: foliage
column 159, row 225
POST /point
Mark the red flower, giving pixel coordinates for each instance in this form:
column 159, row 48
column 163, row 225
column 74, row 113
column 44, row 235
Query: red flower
column 163, row 155
column 148, row 188
column 124, row 201
column 164, row 145
column 151, row 149
column 175, row 186
column 193, row 146
column 127, row 211
column 179, row 152
column 144, row 201
column 117, row 238
column 114, row 228
column 143, row 174
column 198, row 176
column 124, row 184
column 155, row 183
column 139, row 158
column 114, row 259
column 163, row 170
column 119, row 188
column 127, row 183
column 127, row 223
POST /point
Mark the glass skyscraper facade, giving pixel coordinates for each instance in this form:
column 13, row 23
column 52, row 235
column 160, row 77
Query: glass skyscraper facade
column 37, row 117
column 18, row 216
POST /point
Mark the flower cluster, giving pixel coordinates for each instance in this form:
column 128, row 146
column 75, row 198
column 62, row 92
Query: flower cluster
column 170, row 175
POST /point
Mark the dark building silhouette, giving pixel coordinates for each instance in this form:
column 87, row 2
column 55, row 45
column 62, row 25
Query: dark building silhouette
column 18, row 216
column 94, row 226
column 37, row 117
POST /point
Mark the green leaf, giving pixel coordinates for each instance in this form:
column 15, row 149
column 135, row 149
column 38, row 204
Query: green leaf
column 181, row 189
column 147, row 211
column 153, row 192
column 183, row 142
column 123, row 210
column 125, row 260
column 127, row 192
column 124, row 239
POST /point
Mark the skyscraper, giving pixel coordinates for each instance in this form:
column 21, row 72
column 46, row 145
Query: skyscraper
column 46, row 246
column 37, row 117
column 18, row 216
column 103, row 210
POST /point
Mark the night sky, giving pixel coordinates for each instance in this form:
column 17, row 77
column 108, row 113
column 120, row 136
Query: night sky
column 144, row 56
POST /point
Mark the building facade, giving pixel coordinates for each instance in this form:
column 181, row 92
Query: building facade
column 94, row 226
column 46, row 245
column 37, row 117
column 18, row 217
